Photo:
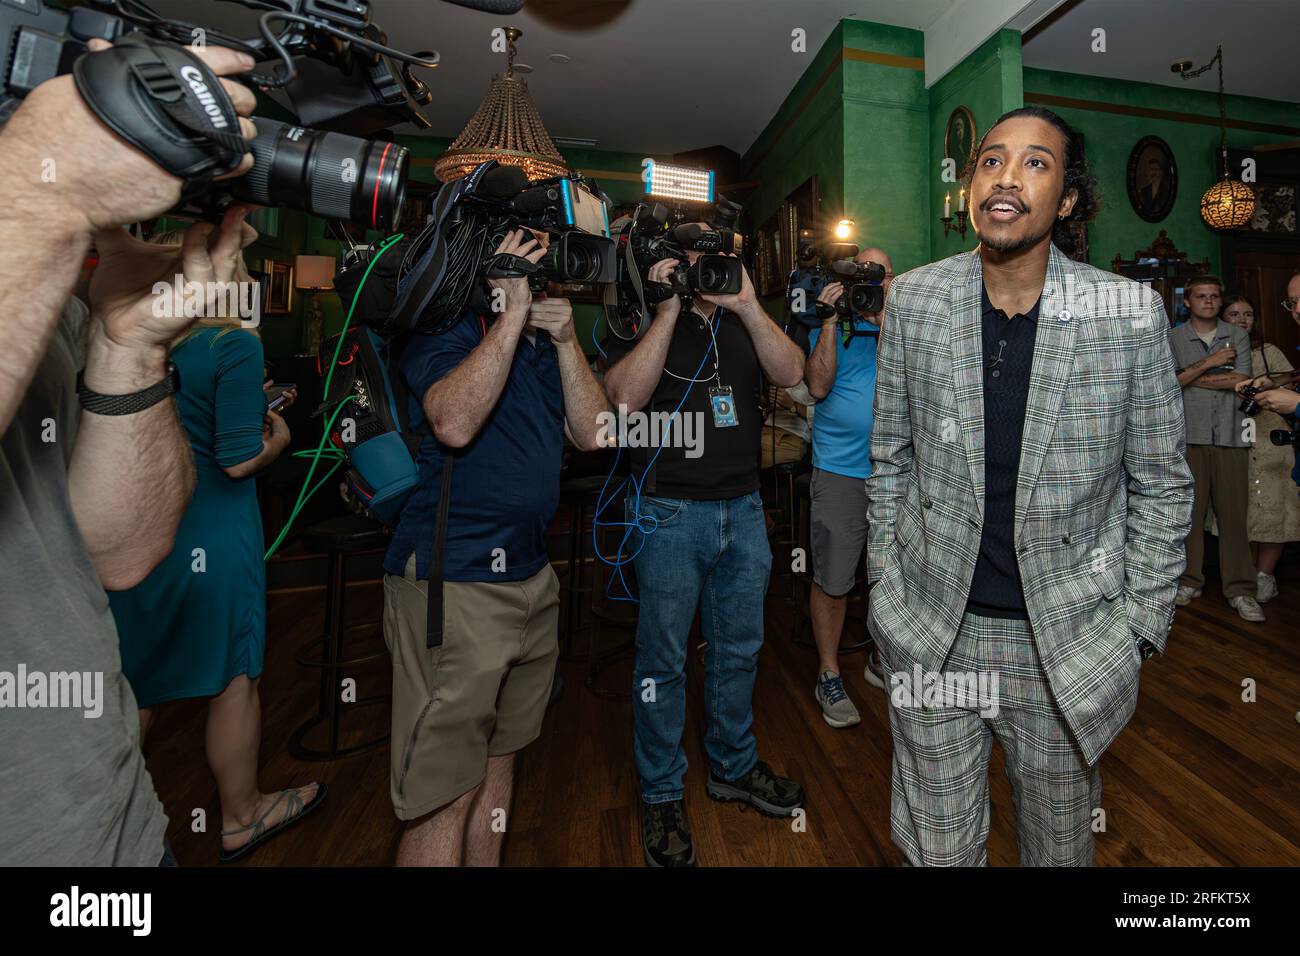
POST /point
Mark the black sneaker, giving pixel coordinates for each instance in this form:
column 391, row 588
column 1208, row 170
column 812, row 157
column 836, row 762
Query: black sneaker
column 763, row 789
column 664, row 836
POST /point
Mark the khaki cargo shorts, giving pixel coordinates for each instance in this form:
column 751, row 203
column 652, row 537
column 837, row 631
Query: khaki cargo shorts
column 482, row 693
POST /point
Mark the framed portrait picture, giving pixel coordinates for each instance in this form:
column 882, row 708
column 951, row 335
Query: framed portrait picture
column 1152, row 178
column 279, row 293
column 959, row 140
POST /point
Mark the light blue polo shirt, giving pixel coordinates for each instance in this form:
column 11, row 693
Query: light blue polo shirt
column 842, row 420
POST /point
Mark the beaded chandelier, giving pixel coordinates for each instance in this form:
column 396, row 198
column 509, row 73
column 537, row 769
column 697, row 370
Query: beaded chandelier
column 507, row 128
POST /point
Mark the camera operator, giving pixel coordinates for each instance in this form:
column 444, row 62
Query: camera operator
column 704, row 542
column 88, row 500
column 498, row 395
column 841, row 375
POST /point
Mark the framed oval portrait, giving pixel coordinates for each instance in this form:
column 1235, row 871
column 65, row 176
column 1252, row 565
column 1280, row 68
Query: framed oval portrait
column 959, row 140
column 1152, row 178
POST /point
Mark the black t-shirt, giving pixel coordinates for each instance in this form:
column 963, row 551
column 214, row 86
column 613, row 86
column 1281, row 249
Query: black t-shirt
column 724, row 461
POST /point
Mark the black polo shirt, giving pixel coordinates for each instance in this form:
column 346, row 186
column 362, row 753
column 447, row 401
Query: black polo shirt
column 995, row 590
column 727, row 466
column 505, row 483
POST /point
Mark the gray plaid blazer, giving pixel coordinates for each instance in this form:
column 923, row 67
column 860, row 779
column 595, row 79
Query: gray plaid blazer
column 1104, row 495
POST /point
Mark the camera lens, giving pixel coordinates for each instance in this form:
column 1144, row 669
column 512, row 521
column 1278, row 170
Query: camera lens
column 579, row 263
column 711, row 278
column 866, row 298
column 715, row 275
column 331, row 175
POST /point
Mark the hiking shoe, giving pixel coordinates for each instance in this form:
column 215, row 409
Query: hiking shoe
column 1186, row 594
column 664, row 836
column 1247, row 608
column 1265, row 587
column 760, row 788
column 874, row 672
column 837, row 709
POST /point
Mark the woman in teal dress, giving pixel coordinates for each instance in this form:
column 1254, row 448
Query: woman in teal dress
column 196, row 626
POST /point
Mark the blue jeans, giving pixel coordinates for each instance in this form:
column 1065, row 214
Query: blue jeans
column 715, row 554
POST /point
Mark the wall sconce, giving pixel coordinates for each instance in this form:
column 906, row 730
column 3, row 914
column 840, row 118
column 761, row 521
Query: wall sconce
column 962, row 214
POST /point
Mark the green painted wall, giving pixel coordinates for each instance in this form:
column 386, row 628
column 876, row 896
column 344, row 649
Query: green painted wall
column 885, row 120
column 1109, row 137
column 801, row 140
column 854, row 124
column 988, row 83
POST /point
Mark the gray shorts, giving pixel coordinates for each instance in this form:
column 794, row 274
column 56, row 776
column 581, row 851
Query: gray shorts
column 838, row 530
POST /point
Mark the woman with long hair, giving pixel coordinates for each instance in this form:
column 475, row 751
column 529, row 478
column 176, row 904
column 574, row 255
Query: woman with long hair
column 196, row 626
column 1273, row 509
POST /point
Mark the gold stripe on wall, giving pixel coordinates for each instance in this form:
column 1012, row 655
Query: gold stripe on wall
column 1098, row 106
column 884, row 59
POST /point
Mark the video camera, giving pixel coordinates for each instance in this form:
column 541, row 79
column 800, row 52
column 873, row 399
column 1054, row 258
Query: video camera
column 653, row 233
column 334, row 65
column 648, row 238
column 835, row 262
column 568, row 209
column 429, row 279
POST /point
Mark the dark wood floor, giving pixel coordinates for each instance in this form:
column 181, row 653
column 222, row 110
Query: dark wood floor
column 1199, row 777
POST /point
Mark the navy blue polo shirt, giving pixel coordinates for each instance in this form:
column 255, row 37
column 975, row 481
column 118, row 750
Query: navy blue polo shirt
column 505, row 483
column 995, row 589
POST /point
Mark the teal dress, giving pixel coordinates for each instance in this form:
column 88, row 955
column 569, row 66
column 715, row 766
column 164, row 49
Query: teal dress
column 198, row 620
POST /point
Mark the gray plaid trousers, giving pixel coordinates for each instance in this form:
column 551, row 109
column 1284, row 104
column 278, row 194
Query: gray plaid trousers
column 940, row 793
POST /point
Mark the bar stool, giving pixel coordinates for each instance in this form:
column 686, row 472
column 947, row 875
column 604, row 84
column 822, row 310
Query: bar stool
column 609, row 610
column 785, row 536
column 338, row 538
column 581, row 496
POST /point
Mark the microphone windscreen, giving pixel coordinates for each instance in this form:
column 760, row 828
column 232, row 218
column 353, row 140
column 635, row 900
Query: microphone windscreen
column 535, row 200
column 502, row 182
column 686, row 232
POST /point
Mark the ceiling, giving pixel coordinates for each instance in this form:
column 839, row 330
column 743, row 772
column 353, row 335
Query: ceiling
column 689, row 74
column 1142, row 39
column 684, row 74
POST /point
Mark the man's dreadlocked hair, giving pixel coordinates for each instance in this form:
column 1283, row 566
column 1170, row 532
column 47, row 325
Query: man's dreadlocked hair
column 1078, row 174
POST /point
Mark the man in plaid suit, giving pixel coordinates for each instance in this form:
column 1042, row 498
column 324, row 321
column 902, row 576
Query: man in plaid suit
column 1028, row 503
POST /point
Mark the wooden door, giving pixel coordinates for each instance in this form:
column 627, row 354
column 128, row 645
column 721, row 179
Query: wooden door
column 1262, row 277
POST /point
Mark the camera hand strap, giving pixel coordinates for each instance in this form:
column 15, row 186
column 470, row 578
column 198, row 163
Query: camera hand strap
column 166, row 103
column 505, row 265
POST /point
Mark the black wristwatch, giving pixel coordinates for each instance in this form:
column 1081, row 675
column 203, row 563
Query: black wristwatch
column 1146, row 650
column 128, row 404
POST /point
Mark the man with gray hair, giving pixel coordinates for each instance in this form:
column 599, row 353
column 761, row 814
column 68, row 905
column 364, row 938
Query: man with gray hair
column 90, row 496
